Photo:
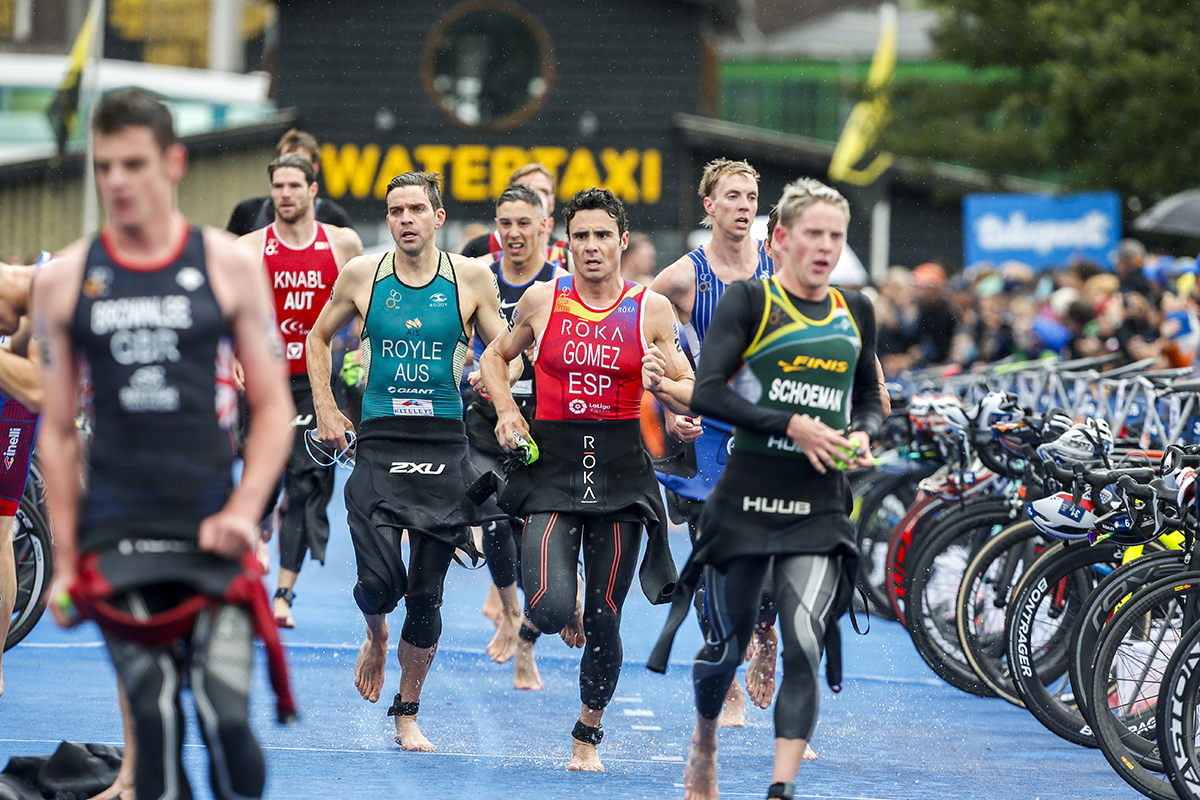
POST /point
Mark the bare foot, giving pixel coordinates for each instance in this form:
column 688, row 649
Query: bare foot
column 368, row 669
column 525, row 672
column 493, row 608
column 504, row 643
column 283, row 614
column 700, row 775
column 733, row 712
column 809, row 753
column 409, row 736
column 584, row 757
column 122, row 789
column 760, row 675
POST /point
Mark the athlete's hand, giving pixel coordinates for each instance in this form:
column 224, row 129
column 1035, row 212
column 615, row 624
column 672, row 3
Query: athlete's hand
column 331, row 429
column 475, row 378
column 509, row 425
column 654, row 369
column 228, row 534
column 818, row 441
column 59, row 601
column 681, row 427
column 239, row 376
column 862, row 442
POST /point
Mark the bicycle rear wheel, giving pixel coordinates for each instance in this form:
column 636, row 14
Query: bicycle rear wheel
column 33, row 549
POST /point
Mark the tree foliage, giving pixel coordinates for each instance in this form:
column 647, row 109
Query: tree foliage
column 1099, row 94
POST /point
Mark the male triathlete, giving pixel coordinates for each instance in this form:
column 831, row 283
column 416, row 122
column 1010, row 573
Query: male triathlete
column 412, row 469
column 520, row 220
column 537, row 177
column 255, row 213
column 694, row 284
column 20, row 401
column 599, row 339
column 302, row 258
column 802, row 355
column 159, row 551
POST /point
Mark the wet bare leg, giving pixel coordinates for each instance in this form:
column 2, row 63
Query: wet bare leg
column 122, row 787
column 414, row 667
column 760, row 674
column 572, row 634
column 504, row 644
column 733, row 711
column 8, row 585
column 788, row 755
column 283, row 610
column 372, row 657
column 493, row 606
column 700, row 775
column 585, row 757
column 525, row 671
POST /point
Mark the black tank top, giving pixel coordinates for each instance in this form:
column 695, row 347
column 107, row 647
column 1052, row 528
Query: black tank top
column 154, row 342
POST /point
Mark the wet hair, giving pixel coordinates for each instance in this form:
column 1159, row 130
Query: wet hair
column 295, row 162
column 521, row 194
column 593, row 200
column 296, row 139
column 426, row 180
column 128, row 108
column 535, row 166
column 802, row 193
column 717, row 169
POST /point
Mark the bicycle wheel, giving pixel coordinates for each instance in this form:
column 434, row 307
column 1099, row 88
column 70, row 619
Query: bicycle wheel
column 934, row 578
column 1109, row 594
column 880, row 511
column 1135, row 648
column 33, row 550
column 1177, row 719
column 906, row 539
column 1046, row 605
column 983, row 602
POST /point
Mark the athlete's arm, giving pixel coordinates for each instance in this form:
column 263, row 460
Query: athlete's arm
column 733, row 326
column 342, row 307
column 486, row 317
column 19, row 378
column 244, row 295
column 678, row 284
column 55, row 290
column 665, row 370
column 532, row 310
column 866, row 409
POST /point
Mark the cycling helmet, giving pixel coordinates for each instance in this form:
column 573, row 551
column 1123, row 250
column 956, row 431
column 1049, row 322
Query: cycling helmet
column 1083, row 441
column 996, row 407
column 951, row 485
column 1059, row 516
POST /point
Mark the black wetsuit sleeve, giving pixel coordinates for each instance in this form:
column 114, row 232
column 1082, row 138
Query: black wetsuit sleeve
column 731, row 331
column 331, row 213
column 241, row 221
column 866, row 412
column 478, row 247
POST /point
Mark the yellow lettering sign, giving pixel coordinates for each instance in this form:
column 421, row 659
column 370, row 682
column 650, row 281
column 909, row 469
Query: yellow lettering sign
column 476, row 173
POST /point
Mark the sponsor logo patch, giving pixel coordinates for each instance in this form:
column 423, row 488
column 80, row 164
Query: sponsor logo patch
column 411, row 407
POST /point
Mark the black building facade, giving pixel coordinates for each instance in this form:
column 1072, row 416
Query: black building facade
column 587, row 88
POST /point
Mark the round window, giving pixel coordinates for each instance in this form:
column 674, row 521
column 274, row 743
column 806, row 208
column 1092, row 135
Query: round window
column 488, row 65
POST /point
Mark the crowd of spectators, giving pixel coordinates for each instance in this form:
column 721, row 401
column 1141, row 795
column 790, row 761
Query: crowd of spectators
column 1146, row 306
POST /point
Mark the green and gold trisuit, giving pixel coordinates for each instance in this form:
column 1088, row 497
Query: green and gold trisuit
column 799, row 365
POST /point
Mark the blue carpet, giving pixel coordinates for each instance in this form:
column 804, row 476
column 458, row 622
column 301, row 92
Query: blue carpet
column 896, row 732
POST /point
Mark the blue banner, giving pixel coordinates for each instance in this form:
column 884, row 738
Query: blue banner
column 1039, row 230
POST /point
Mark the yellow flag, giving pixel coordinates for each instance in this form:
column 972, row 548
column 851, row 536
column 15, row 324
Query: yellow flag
column 64, row 109
column 868, row 117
